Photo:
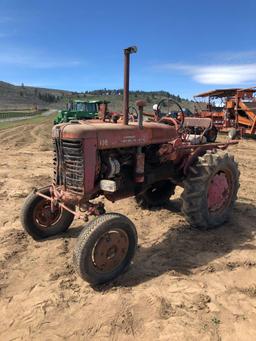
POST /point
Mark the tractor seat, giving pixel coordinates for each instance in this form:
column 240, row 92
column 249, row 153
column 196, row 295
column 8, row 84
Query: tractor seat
column 205, row 123
column 197, row 122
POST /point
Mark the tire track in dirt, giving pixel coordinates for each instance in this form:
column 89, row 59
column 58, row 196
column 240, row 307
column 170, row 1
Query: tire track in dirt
column 13, row 245
column 15, row 138
column 39, row 139
column 35, row 137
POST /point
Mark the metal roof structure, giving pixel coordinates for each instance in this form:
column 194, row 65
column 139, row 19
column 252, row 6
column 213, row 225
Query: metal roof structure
column 219, row 93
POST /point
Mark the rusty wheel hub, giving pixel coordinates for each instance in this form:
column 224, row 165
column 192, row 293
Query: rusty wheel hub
column 219, row 192
column 110, row 250
column 43, row 214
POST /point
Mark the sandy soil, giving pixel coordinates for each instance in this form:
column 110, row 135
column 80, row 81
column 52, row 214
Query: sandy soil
column 184, row 284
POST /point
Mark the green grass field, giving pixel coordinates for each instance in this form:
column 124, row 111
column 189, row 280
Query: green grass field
column 11, row 114
column 19, row 113
column 38, row 119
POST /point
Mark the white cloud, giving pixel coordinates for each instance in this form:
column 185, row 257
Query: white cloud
column 217, row 74
column 224, row 74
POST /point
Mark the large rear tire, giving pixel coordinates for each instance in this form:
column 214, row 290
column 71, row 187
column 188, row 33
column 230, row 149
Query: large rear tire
column 105, row 248
column 38, row 220
column 158, row 194
column 210, row 190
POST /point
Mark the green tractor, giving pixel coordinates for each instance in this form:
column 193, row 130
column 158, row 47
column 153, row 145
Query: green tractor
column 81, row 110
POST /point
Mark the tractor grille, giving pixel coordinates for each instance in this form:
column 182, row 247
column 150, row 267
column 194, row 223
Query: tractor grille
column 68, row 165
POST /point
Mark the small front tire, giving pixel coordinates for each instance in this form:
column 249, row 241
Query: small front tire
column 105, row 248
column 38, row 220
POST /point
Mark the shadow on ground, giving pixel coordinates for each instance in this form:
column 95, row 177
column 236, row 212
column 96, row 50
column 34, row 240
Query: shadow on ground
column 183, row 249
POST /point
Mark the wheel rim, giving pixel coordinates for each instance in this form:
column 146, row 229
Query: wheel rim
column 219, row 192
column 110, row 250
column 43, row 216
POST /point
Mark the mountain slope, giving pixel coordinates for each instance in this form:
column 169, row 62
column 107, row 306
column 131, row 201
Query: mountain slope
column 27, row 97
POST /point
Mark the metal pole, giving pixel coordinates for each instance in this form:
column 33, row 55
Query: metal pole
column 127, row 52
column 126, row 86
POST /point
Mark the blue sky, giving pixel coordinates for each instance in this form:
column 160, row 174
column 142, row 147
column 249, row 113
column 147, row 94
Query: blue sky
column 184, row 47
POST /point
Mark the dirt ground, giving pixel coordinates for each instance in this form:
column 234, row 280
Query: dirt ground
column 183, row 285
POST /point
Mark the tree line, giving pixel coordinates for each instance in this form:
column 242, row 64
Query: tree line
column 135, row 93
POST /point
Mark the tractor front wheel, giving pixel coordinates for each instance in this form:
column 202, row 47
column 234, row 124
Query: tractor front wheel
column 39, row 221
column 105, row 248
column 210, row 190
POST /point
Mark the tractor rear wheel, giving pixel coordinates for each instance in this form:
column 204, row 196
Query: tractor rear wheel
column 158, row 194
column 39, row 221
column 105, row 248
column 210, row 190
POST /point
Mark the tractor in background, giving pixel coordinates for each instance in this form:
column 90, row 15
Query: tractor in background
column 82, row 110
column 233, row 111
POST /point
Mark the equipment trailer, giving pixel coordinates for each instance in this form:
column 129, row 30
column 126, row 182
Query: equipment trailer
column 236, row 113
column 119, row 159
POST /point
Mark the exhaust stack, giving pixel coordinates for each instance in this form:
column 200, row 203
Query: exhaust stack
column 127, row 52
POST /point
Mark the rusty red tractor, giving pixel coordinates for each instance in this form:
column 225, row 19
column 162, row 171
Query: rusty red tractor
column 119, row 159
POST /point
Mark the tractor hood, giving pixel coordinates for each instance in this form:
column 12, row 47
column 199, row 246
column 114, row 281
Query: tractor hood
column 116, row 135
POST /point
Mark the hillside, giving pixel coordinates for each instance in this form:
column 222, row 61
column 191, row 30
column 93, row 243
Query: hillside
column 27, row 97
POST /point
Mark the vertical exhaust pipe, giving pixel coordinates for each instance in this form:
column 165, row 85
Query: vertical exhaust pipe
column 127, row 52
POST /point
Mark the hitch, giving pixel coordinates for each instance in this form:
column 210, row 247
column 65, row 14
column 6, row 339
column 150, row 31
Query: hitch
column 87, row 208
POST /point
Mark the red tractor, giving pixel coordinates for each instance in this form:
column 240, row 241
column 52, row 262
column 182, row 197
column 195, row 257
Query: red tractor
column 119, row 159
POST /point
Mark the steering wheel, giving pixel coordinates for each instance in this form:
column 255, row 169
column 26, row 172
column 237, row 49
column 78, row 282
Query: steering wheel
column 132, row 113
column 166, row 103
